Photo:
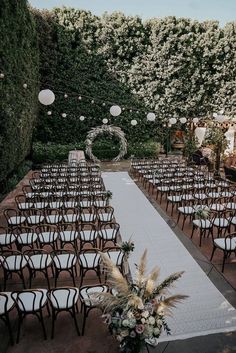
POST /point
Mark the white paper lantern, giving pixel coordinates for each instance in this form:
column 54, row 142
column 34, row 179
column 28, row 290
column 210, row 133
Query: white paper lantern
column 215, row 115
column 79, row 98
column 183, row 120
column 25, row 85
column 64, row 115
column 133, row 122
column 1, row 75
column 151, row 116
column 105, row 121
column 81, row 118
column 115, row 110
column 49, row 112
column 65, row 95
column 221, row 111
column 195, row 120
column 46, row 97
column 172, row 121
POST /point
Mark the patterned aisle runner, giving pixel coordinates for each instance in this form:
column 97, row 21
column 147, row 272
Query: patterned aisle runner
column 206, row 310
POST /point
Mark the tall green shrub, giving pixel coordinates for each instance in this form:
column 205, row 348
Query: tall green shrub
column 19, row 63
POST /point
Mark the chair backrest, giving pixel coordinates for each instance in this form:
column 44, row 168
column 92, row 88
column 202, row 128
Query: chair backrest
column 6, row 303
column 115, row 254
column 63, row 298
column 89, row 258
column 109, row 231
column 88, row 232
column 42, row 256
column 64, row 258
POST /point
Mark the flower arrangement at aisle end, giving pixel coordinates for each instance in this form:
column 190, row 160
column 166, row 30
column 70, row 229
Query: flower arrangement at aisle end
column 136, row 312
column 202, row 212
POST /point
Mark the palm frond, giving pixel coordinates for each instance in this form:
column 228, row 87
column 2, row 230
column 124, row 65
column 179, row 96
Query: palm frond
column 167, row 282
column 166, row 305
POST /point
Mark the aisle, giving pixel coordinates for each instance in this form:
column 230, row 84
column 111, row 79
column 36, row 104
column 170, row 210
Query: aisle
column 206, row 310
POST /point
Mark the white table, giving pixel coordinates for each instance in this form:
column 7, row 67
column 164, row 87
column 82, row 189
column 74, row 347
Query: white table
column 75, row 156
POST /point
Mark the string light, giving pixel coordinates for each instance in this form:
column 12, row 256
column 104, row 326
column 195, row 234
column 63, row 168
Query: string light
column 65, row 95
column 64, row 115
column 25, row 85
column 49, row 112
column 2, row 75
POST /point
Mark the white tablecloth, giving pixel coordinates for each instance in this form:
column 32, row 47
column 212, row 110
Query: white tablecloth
column 75, row 156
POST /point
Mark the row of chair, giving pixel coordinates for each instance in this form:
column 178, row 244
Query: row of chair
column 34, row 301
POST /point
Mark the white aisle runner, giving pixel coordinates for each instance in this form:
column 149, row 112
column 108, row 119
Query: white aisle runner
column 206, row 310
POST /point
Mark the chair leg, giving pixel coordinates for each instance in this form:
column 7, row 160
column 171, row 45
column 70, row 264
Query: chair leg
column 9, row 329
column 53, row 323
column 84, row 320
column 75, row 321
column 223, row 264
column 213, row 251
column 42, row 323
column 19, row 327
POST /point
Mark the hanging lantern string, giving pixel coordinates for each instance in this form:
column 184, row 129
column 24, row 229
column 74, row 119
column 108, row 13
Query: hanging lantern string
column 70, row 91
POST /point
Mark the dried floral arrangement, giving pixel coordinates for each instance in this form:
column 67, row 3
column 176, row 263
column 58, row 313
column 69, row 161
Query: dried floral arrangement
column 136, row 311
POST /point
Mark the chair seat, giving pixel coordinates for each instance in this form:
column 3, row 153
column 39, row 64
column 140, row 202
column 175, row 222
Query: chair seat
column 25, row 205
column 54, row 219
column 9, row 305
column 226, row 194
column 70, row 204
column 64, row 261
column 89, row 260
column 116, row 257
column 202, row 223
column 87, row 294
column 16, row 220
column 64, row 298
column 27, row 238
column 217, row 207
column 188, row 210
column 29, row 302
column 163, row 188
column 233, row 221
column 7, row 239
column 231, row 205
column 107, row 234
column 35, row 219
column 187, row 197
column 68, row 235
column 39, row 261
column 105, row 217
column 71, row 218
column 221, row 222
column 213, row 195
column 86, row 203
column 88, row 217
column 14, row 262
column 226, row 244
column 174, row 198
column 200, row 196
column 56, row 204
column 40, row 205
column 87, row 236
column 47, row 237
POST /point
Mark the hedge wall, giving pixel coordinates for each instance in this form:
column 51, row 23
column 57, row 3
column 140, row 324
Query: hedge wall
column 19, row 63
column 176, row 67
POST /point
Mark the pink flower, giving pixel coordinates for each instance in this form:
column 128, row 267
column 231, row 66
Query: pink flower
column 139, row 328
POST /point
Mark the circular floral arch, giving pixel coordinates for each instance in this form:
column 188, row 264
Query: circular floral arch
column 111, row 130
